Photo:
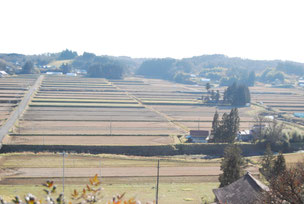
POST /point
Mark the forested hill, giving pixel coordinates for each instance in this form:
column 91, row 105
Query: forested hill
column 215, row 67
column 218, row 60
column 221, row 68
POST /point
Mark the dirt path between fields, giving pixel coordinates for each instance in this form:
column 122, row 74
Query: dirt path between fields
column 20, row 109
column 118, row 172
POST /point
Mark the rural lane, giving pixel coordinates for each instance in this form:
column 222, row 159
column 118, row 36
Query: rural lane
column 119, row 172
column 19, row 110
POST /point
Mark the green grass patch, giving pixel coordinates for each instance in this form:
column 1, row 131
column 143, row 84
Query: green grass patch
column 168, row 192
column 49, row 160
column 58, row 63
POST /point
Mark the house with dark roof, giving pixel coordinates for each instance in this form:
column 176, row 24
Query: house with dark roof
column 246, row 190
column 199, row 136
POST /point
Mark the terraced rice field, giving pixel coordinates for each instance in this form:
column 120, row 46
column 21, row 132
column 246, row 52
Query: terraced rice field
column 180, row 103
column 285, row 101
column 86, row 111
column 12, row 90
column 83, row 111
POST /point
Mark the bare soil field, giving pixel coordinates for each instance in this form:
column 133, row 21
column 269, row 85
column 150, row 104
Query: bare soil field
column 95, row 127
column 89, row 140
column 12, row 90
column 69, row 106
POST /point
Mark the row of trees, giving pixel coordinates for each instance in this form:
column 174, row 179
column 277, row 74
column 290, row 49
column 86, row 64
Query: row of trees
column 225, row 130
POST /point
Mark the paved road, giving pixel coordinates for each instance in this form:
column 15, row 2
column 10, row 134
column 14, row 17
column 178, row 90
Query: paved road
column 19, row 110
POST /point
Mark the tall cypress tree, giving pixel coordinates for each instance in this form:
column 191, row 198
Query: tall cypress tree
column 215, row 124
column 251, row 79
column 234, row 124
column 226, row 130
column 232, row 165
column 267, row 163
column 279, row 166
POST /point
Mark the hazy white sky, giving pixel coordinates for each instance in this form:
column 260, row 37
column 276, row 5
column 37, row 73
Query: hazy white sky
column 256, row 29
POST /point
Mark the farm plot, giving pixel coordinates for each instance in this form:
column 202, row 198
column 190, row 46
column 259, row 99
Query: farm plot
column 12, row 90
column 180, row 178
column 284, row 100
column 181, row 103
column 84, row 111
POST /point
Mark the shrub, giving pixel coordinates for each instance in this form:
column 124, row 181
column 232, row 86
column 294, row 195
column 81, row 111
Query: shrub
column 91, row 193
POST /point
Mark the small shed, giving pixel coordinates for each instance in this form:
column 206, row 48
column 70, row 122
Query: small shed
column 199, row 136
column 246, row 190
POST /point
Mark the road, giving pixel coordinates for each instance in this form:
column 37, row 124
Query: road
column 19, row 110
column 115, row 172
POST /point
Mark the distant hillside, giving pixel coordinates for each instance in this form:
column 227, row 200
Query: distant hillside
column 214, row 66
column 221, row 68
column 217, row 60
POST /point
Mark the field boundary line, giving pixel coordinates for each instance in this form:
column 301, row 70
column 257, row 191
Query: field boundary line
column 177, row 125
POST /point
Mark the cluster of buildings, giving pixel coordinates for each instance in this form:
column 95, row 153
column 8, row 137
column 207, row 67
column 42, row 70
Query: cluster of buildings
column 301, row 82
column 76, row 73
column 202, row 136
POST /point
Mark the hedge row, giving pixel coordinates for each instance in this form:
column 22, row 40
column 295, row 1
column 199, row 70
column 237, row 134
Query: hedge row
column 149, row 150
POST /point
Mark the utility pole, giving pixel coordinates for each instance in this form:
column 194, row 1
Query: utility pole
column 198, row 124
column 157, row 182
column 100, row 168
column 111, row 126
column 63, row 155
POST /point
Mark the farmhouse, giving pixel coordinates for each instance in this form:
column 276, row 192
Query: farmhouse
column 205, row 80
column 54, row 73
column 301, row 82
column 244, row 135
column 3, row 74
column 246, row 190
column 199, row 136
column 71, row 74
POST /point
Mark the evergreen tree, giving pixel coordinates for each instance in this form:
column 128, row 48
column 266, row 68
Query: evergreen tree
column 28, row 68
column 232, row 165
column 219, row 134
column 279, row 166
column 227, row 128
column 207, row 86
column 217, row 96
column 215, row 124
column 212, row 95
column 237, row 95
column 233, row 125
column 251, row 79
column 65, row 68
column 267, row 163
